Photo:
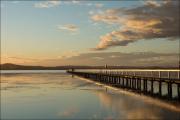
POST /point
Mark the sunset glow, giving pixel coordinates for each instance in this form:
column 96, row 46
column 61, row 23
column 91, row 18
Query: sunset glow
column 52, row 33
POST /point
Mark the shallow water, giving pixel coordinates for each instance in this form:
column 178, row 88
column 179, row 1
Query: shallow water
column 57, row 95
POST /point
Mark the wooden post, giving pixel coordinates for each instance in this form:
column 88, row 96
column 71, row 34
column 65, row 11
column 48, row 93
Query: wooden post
column 126, row 82
column 115, row 80
column 160, row 88
column 112, row 81
column 129, row 82
column 151, row 73
column 159, row 74
column 169, row 90
column 140, row 84
column 152, row 87
column 100, row 76
column 123, row 81
column 109, row 79
column 178, row 90
column 168, row 74
column 135, row 85
column 144, row 85
column 105, row 80
column 119, row 80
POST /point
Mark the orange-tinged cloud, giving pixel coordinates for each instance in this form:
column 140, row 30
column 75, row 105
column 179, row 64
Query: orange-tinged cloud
column 107, row 19
column 17, row 60
column 110, row 58
column 149, row 21
column 47, row 4
column 68, row 54
column 143, row 26
column 68, row 27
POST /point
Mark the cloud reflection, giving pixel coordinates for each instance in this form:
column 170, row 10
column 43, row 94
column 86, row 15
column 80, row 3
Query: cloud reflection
column 40, row 81
column 124, row 107
column 69, row 112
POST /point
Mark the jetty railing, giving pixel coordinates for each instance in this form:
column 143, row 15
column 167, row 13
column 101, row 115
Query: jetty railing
column 158, row 83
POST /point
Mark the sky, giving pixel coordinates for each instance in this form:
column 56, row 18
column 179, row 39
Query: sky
column 127, row 33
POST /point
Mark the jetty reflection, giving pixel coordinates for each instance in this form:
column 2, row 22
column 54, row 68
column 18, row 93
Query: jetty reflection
column 123, row 107
column 61, row 96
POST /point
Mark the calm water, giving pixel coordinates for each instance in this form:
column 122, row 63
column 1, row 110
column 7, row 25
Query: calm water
column 57, row 95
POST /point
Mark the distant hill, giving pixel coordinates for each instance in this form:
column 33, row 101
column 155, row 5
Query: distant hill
column 10, row 66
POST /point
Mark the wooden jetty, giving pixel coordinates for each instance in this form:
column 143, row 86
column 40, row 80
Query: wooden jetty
column 134, row 82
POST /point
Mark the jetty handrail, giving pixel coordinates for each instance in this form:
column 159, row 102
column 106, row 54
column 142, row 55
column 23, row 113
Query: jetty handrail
column 156, row 73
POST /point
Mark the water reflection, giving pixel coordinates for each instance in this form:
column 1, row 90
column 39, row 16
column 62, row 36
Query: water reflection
column 58, row 95
column 127, row 109
column 30, row 81
column 69, row 112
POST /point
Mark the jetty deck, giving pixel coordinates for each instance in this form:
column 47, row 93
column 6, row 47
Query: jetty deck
column 140, row 83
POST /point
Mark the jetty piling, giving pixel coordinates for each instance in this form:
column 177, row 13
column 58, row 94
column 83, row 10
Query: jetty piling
column 136, row 81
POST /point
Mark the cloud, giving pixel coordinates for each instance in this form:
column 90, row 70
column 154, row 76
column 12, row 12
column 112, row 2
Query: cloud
column 75, row 2
column 149, row 21
column 113, row 56
column 116, row 58
column 72, row 2
column 68, row 54
column 101, row 58
column 17, row 60
column 91, row 12
column 107, row 19
column 98, row 58
column 47, row 4
column 98, row 5
column 82, row 3
column 68, row 27
column 152, row 3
